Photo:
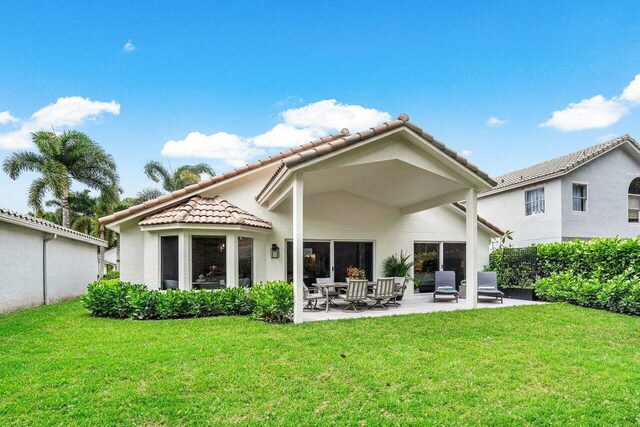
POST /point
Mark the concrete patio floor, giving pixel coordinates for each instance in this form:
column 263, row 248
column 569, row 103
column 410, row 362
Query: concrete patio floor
column 418, row 303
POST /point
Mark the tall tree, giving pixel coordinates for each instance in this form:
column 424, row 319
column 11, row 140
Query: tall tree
column 180, row 178
column 61, row 159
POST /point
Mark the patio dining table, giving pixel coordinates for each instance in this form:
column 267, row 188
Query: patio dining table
column 338, row 285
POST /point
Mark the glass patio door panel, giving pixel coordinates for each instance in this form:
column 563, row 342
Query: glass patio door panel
column 454, row 258
column 352, row 254
column 316, row 262
column 426, row 261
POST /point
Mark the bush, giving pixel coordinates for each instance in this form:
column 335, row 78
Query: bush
column 120, row 300
column 272, row 301
column 619, row 294
column 112, row 274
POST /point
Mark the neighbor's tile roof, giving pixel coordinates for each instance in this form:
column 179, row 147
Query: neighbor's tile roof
column 201, row 210
column 304, row 153
column 33, row 222
column 559, row 165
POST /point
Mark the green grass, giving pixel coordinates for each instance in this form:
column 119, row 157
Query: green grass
column 551, row 364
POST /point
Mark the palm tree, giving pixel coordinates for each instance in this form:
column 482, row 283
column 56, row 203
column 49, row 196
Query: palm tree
column 182, row 177
column 60, row 160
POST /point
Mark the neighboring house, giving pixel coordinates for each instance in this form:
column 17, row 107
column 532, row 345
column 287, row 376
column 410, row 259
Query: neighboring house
column 593, row 192
column 311, row 212
column 42, row 262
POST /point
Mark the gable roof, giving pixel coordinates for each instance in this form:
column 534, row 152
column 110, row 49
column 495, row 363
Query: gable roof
column 28, row 221
column 201, row 210
column 303, row 153
column 558, row 166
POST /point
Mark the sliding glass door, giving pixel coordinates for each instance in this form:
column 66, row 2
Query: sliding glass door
column 453, row 259
column 435, row 256
column 318, row 256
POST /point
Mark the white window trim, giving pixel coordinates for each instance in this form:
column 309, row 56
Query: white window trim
column 524, row 198
column 586, row 199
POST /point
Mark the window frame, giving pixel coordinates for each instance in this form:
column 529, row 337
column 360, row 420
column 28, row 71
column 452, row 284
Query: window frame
column 585, row 198
column 544, row 205
column 629, row 196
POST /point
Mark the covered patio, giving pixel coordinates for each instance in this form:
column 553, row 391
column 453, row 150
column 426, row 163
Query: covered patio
column 400, row 170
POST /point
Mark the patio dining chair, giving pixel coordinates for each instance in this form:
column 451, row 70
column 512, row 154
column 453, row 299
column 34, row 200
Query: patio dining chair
column 311, row 298
column 488, row 286
column 445, row 285
column 331, row 292
column 385, row 289
column 356, row 293
column 398, row 291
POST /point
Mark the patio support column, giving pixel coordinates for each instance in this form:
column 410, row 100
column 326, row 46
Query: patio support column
column 471, row 267
column 298, row 238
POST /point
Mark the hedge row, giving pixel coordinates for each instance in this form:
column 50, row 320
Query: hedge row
column 605, row 258
column 620, row 294
column 270, row 301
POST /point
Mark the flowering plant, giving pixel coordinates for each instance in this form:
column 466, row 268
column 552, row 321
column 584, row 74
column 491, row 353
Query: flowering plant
column 356, row 273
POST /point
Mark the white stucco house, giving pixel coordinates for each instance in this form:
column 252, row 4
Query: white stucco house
column 312, row 211
column 42, row 262
column 593, row 192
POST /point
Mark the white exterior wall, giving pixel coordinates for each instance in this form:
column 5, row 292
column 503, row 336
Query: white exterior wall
column 607, row 178
column 71, row 266
column 507, row 210
column 329, row 216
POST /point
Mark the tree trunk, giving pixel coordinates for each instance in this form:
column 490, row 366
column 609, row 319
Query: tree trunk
column 66, row 221
column 102, row 251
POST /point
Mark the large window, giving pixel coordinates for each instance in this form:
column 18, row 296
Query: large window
column 634, row 200
column 208, row 262
column 316, row 261
column 426, row 261
column 534, row 201
column 169, row 262
column 579, row 198
column 356, row 254
column 245, row 261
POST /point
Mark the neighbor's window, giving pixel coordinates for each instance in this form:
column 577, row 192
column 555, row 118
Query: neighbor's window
column 534, row 201
column 579, row 198
column 634, row 200
column 245, row 261
column 208, row 262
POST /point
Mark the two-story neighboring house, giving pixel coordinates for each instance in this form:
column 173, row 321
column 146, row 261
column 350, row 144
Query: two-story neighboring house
column 593, row 192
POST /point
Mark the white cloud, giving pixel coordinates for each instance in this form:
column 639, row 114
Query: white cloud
column 592, row 113
column 129, row 47
column 231, row 148
column 631, row 93
column 494, row 121
column 65, row 112
column 467, row 152
column 6, row 117
column 596, row 112
column 606, row 138
column 330, row 115
column 299, row 125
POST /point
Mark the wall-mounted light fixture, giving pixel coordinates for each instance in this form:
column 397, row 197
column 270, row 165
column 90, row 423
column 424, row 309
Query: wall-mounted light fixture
column 275, row 251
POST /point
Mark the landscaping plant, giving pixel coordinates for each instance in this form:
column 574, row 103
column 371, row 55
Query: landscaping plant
column 272, row 301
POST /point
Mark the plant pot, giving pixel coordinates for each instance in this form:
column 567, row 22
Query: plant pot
column 526, row 294
column 462, row 290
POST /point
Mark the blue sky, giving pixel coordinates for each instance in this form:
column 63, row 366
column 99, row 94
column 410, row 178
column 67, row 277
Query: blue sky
column 216, row 77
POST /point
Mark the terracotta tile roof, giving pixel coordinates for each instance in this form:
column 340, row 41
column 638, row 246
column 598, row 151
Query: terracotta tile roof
column 560, row 165
column 481, row 220
column 301, row 154
column 51, row 227
column 200, row 210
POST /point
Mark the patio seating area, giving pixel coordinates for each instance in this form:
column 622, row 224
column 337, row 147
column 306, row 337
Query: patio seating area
column 414, row 304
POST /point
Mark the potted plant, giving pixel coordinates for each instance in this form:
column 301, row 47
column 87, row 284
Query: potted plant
column 398, row 266
column 463, row 289
column 356, row 273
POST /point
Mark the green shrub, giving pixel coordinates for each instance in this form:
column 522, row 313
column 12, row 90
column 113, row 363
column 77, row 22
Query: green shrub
column 231, row 301
column 112, row 274
column 620, row 294
column 272, row 301
column 111, row 298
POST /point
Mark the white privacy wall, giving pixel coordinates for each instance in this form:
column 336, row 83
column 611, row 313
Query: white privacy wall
column 71, row 266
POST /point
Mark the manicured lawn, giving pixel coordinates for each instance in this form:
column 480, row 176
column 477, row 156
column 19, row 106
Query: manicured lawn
column 553, row 364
